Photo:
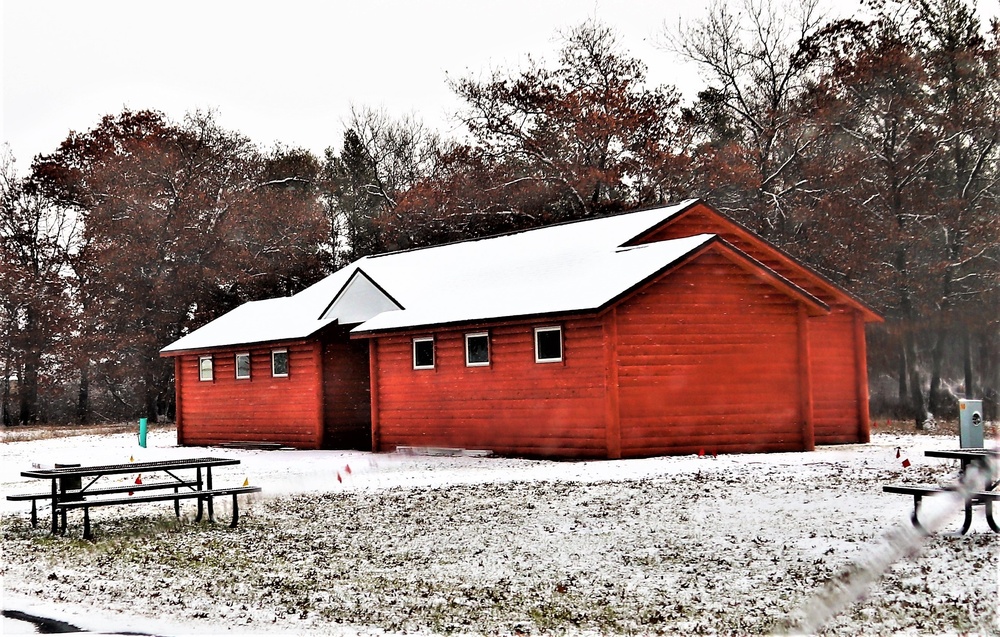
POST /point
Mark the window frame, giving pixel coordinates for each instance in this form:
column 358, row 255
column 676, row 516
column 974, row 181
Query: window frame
column 237, row 361
column 488, row 360
column 562, row 348
column 201, row 369
column 274, row 374
column 424, row 339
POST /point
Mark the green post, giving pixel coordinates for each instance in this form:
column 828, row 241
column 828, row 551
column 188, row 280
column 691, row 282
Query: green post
column 142, row 432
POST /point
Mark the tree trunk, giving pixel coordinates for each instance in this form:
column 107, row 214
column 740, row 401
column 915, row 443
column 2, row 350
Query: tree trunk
column 149, row 400
column 970, row 382
column 28, row 390
column 901, row 374
column 27, row 380
column 5, row 405
column 908, row 322
column 937, row 358
column 916, row 391
column 989, row 373
column 83, row 398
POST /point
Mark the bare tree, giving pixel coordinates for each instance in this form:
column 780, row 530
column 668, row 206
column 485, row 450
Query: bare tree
column 752, row 55
column 380, row 159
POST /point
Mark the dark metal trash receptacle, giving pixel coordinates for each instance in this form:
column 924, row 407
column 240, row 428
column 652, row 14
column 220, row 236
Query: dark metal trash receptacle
column 970, row 424
column 72, row 483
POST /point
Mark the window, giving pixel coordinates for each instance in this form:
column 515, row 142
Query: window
column 205, row 368
column 477, row 349
column 243, row 366
column 423, row 353
column 279, row 363
column 548, row 344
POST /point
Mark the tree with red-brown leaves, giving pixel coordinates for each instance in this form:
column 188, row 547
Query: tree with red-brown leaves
column 37, row 308
column 181, row 223
column 876, row 170
column 964, row 82
column 583, row 139
column 905, row 206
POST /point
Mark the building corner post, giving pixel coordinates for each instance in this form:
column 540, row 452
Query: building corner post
column 612, row 413
column 320, row 394
column 178, row 405
column 861, row 375
column 373, row 379
column 806, row 406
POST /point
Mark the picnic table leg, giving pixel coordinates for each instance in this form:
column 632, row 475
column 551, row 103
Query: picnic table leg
column 916, row 510
column 208, row 485
column 34, row 514
column 177, row 503
column 198, row 519
column 967, row 523
column 55, row 512
column 87, row 535
column 236, row 512
column 989, row 516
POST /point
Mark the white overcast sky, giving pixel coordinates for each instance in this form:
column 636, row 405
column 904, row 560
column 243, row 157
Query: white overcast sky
column 288, row 70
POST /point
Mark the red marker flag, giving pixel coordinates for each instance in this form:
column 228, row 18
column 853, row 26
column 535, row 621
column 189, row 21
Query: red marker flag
column 347, row 469
column 906, row 462
column 138, row 480
column 339, row 479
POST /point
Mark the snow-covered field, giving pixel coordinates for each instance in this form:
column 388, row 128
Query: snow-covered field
column 357, row 543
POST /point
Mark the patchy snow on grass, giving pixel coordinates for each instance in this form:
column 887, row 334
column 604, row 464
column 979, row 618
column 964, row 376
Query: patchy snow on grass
column 352, row 543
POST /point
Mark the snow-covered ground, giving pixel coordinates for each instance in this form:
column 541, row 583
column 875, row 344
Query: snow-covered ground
column 358, row 543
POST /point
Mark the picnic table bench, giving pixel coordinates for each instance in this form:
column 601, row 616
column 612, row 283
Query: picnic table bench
column 65, row 495
column 982, row 494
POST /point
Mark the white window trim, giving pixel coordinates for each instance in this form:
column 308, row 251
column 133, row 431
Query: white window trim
column 549, row 328
column 237, row 361
column 211, row 369
column 488, row 352
column 424, row 339
column 287, row 363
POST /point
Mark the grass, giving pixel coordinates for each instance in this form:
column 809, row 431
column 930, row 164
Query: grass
column 25, row 433
column 888, row 425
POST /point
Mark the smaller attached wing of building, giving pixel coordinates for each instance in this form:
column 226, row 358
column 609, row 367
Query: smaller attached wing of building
column 254, row 322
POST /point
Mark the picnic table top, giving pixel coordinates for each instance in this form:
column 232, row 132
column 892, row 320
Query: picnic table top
column 129, row 467
column 962, row 454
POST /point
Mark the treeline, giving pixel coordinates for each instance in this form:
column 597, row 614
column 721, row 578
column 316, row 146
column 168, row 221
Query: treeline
column 867, row 149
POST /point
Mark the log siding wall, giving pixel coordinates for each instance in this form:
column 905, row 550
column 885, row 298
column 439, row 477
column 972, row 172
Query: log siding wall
column 285, row 410
column 840, row 399
column 514, row 406
column 708, row 359
column 834, row 371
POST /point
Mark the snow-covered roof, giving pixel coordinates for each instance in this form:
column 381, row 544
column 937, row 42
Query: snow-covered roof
column 565, row 268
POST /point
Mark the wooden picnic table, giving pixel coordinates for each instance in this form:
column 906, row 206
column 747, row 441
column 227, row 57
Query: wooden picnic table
column 63, row 497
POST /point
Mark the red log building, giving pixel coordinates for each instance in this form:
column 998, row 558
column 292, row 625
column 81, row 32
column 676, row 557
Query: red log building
column 664, row 331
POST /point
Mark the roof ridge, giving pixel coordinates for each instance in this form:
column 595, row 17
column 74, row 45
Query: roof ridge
column 681, row 205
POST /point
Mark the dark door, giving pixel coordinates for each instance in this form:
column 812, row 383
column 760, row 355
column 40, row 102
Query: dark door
column 347, row 416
